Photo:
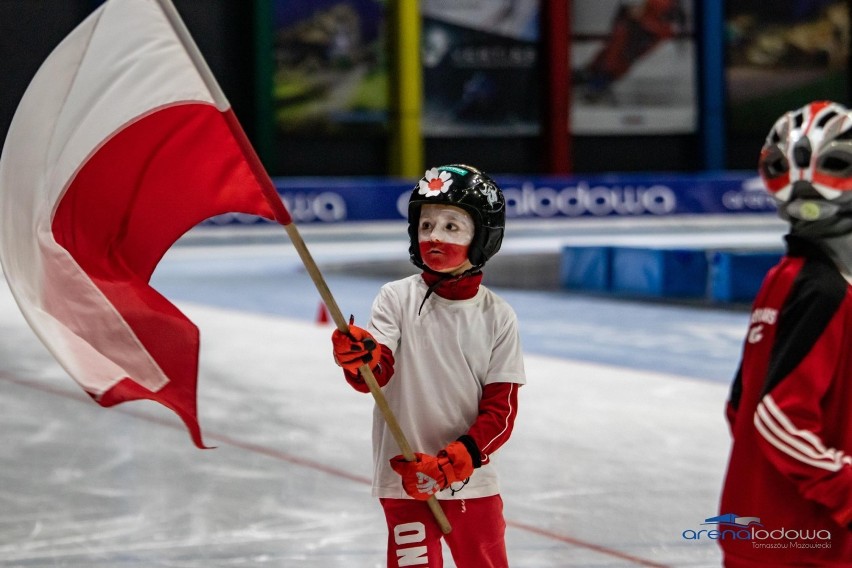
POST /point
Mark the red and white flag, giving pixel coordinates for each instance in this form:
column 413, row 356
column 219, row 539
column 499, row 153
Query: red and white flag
column 118, row 147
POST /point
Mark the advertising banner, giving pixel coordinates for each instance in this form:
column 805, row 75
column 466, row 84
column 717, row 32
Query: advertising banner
column 329, row 65
column 780, row 56
column 480, row 67
column 315, row 200
column 633, row 67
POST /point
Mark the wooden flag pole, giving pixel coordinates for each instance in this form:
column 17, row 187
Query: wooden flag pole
column 282, row 215
column 366, row 372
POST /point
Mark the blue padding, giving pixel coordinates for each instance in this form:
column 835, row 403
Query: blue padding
column 736, row 276
column 586, row 268
column 660, row 273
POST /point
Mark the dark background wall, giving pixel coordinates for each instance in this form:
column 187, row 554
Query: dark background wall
column 30, row 29
column 223, row 29
column 225, row 32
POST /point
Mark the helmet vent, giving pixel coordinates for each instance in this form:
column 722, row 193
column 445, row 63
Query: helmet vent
column 776, row 167
column 824, row 120
column 802, row 153
column 798, row 119
column 835, row 164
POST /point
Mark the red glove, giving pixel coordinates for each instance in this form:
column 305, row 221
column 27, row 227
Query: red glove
column 427, row 475
column 354, row 349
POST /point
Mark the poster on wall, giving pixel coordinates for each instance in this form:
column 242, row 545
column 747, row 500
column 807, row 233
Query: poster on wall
column 781, row 55
column 633, row 67
column 329, row 66
column 480, row 67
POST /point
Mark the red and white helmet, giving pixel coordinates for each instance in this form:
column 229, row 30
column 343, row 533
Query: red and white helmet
column 806, row 164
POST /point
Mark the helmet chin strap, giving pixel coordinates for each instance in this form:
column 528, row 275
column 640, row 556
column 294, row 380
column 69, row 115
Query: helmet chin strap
column 832, row 235
column 839, row 248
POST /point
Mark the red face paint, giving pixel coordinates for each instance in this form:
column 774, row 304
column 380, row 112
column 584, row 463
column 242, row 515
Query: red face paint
column 442, row 257
column 444, row 235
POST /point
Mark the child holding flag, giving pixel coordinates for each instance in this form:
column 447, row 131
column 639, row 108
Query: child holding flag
column 446, row 351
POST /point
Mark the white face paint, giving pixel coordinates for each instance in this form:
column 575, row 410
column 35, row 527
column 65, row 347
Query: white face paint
column 445, row 233
column 445, row 223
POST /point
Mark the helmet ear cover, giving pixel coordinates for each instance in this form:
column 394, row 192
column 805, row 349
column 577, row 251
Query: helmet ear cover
column 475, row 193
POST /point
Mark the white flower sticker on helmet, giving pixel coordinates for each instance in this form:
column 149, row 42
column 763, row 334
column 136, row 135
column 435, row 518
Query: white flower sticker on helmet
column 435, row 183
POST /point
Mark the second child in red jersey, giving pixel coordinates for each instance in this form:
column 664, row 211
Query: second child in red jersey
column 790, row 407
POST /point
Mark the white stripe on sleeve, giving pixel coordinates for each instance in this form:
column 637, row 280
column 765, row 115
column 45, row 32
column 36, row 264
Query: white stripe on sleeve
column 802, row 445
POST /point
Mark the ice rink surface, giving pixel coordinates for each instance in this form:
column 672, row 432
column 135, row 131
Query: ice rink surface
column 619, row 447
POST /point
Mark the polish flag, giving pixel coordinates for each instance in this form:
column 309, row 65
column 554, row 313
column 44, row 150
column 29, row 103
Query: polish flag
column 121, row 144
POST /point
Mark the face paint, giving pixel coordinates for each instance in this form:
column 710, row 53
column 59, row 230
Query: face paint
column 445, row 233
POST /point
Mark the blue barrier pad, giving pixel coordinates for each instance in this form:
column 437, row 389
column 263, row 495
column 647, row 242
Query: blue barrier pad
column 660, row 273
column 586, row 268
column 736, row 276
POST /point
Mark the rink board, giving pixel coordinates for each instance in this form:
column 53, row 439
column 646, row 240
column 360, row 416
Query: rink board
column 329, row 201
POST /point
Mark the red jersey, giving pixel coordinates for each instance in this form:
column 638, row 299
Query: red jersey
column 790, row 412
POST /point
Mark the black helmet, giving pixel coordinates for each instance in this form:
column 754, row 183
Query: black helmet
column 466, row 187
column 806, row 164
